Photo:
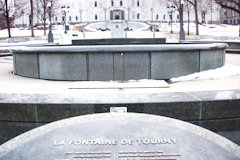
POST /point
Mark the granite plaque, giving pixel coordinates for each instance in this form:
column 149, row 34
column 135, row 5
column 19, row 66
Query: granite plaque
column 119, row 136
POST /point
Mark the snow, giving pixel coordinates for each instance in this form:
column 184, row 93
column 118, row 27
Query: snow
column 136, row 26
column 222, row 72
column 207, row 31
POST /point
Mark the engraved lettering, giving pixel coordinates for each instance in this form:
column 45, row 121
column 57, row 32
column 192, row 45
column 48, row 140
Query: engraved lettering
column 139, row 141
column 129, row 142
column 168, row 141
column 147, row 155
column 60, row 143
column 124, row 142
column 85, row 142
column 174, row 141
column 114, row 142
column 153, row 141
column 156, row 141
column 146, row 141
column 93, row 142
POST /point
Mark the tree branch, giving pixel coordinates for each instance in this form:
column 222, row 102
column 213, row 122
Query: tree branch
column 229, row 4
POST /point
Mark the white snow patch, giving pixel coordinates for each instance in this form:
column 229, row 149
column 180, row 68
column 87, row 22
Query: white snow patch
column 222, row 72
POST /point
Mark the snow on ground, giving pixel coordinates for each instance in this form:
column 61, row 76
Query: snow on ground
column 165, row 28
column 136, row 26
column 205, row 29
column 222, row 72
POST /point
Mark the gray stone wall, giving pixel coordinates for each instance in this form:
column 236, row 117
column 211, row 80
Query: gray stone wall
column 117, row 62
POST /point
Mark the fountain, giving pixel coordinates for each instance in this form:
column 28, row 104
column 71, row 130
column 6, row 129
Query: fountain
column 116, row 59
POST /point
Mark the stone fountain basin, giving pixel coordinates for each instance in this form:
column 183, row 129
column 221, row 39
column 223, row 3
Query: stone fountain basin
column 116, row 62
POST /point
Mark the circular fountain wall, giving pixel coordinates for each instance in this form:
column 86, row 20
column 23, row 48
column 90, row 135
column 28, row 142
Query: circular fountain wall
column 117, row 62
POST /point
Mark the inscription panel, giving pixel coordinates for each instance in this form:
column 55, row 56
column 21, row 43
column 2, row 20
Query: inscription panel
column 116, row 138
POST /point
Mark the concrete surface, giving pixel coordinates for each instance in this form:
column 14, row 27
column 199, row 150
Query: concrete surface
column 138, row 135
column 21, row 96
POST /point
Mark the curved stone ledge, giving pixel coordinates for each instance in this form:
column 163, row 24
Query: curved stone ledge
column 119, row 48
column 117, row 62
column 214, row 110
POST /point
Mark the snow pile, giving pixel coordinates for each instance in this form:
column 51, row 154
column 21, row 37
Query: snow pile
column 222, row 72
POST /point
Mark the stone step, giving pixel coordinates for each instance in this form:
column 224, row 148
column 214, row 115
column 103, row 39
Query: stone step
column 236, row 51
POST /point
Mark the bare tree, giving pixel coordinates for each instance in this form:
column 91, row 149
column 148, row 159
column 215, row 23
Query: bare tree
column 42, row 11
column 188, row 8
column 195, row 6
column 2, row 21
column 233, row 5
column 178, row 4
column 31, row 17
column 11, row 10
column 230, row 4
column 204, row 6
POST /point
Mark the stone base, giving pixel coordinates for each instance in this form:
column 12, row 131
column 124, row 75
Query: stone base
column 212, row 110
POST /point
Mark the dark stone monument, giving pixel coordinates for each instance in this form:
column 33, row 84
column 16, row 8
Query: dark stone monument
column 119, row 41
column 119, row 136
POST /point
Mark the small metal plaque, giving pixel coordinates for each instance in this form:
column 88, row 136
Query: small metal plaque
column 118, row 109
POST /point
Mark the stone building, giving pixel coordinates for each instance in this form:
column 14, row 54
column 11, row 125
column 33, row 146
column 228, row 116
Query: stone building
column 105, row 10
column 78, row 11
column 228, row 16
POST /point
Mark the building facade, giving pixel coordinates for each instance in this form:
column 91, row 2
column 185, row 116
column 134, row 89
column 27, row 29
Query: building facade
column 228, row 16
column 105, row 10
column 79, row 11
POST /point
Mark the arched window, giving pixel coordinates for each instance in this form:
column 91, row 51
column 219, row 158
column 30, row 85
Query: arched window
column 63, row 18
column 121, row 3
column 164, row 17
column 55, row 18
column 76, row 18
column 138, row 16
column 157, row 17
column 95, row 4
column 96, row 17
column 70, row 18
column 112, row 3
column 138, row 3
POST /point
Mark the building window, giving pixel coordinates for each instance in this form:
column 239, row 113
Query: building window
column 121, row 3
column 96, row 17
column 112, row 3
column 138, row 4
column 70, row 18
column 76, row 18
column 55, row 18
column 178, row 17
column 63, row 19
column 225, row 13
column 157, row 17
column 164, row 17
column 138, row 16
column 95, row 4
